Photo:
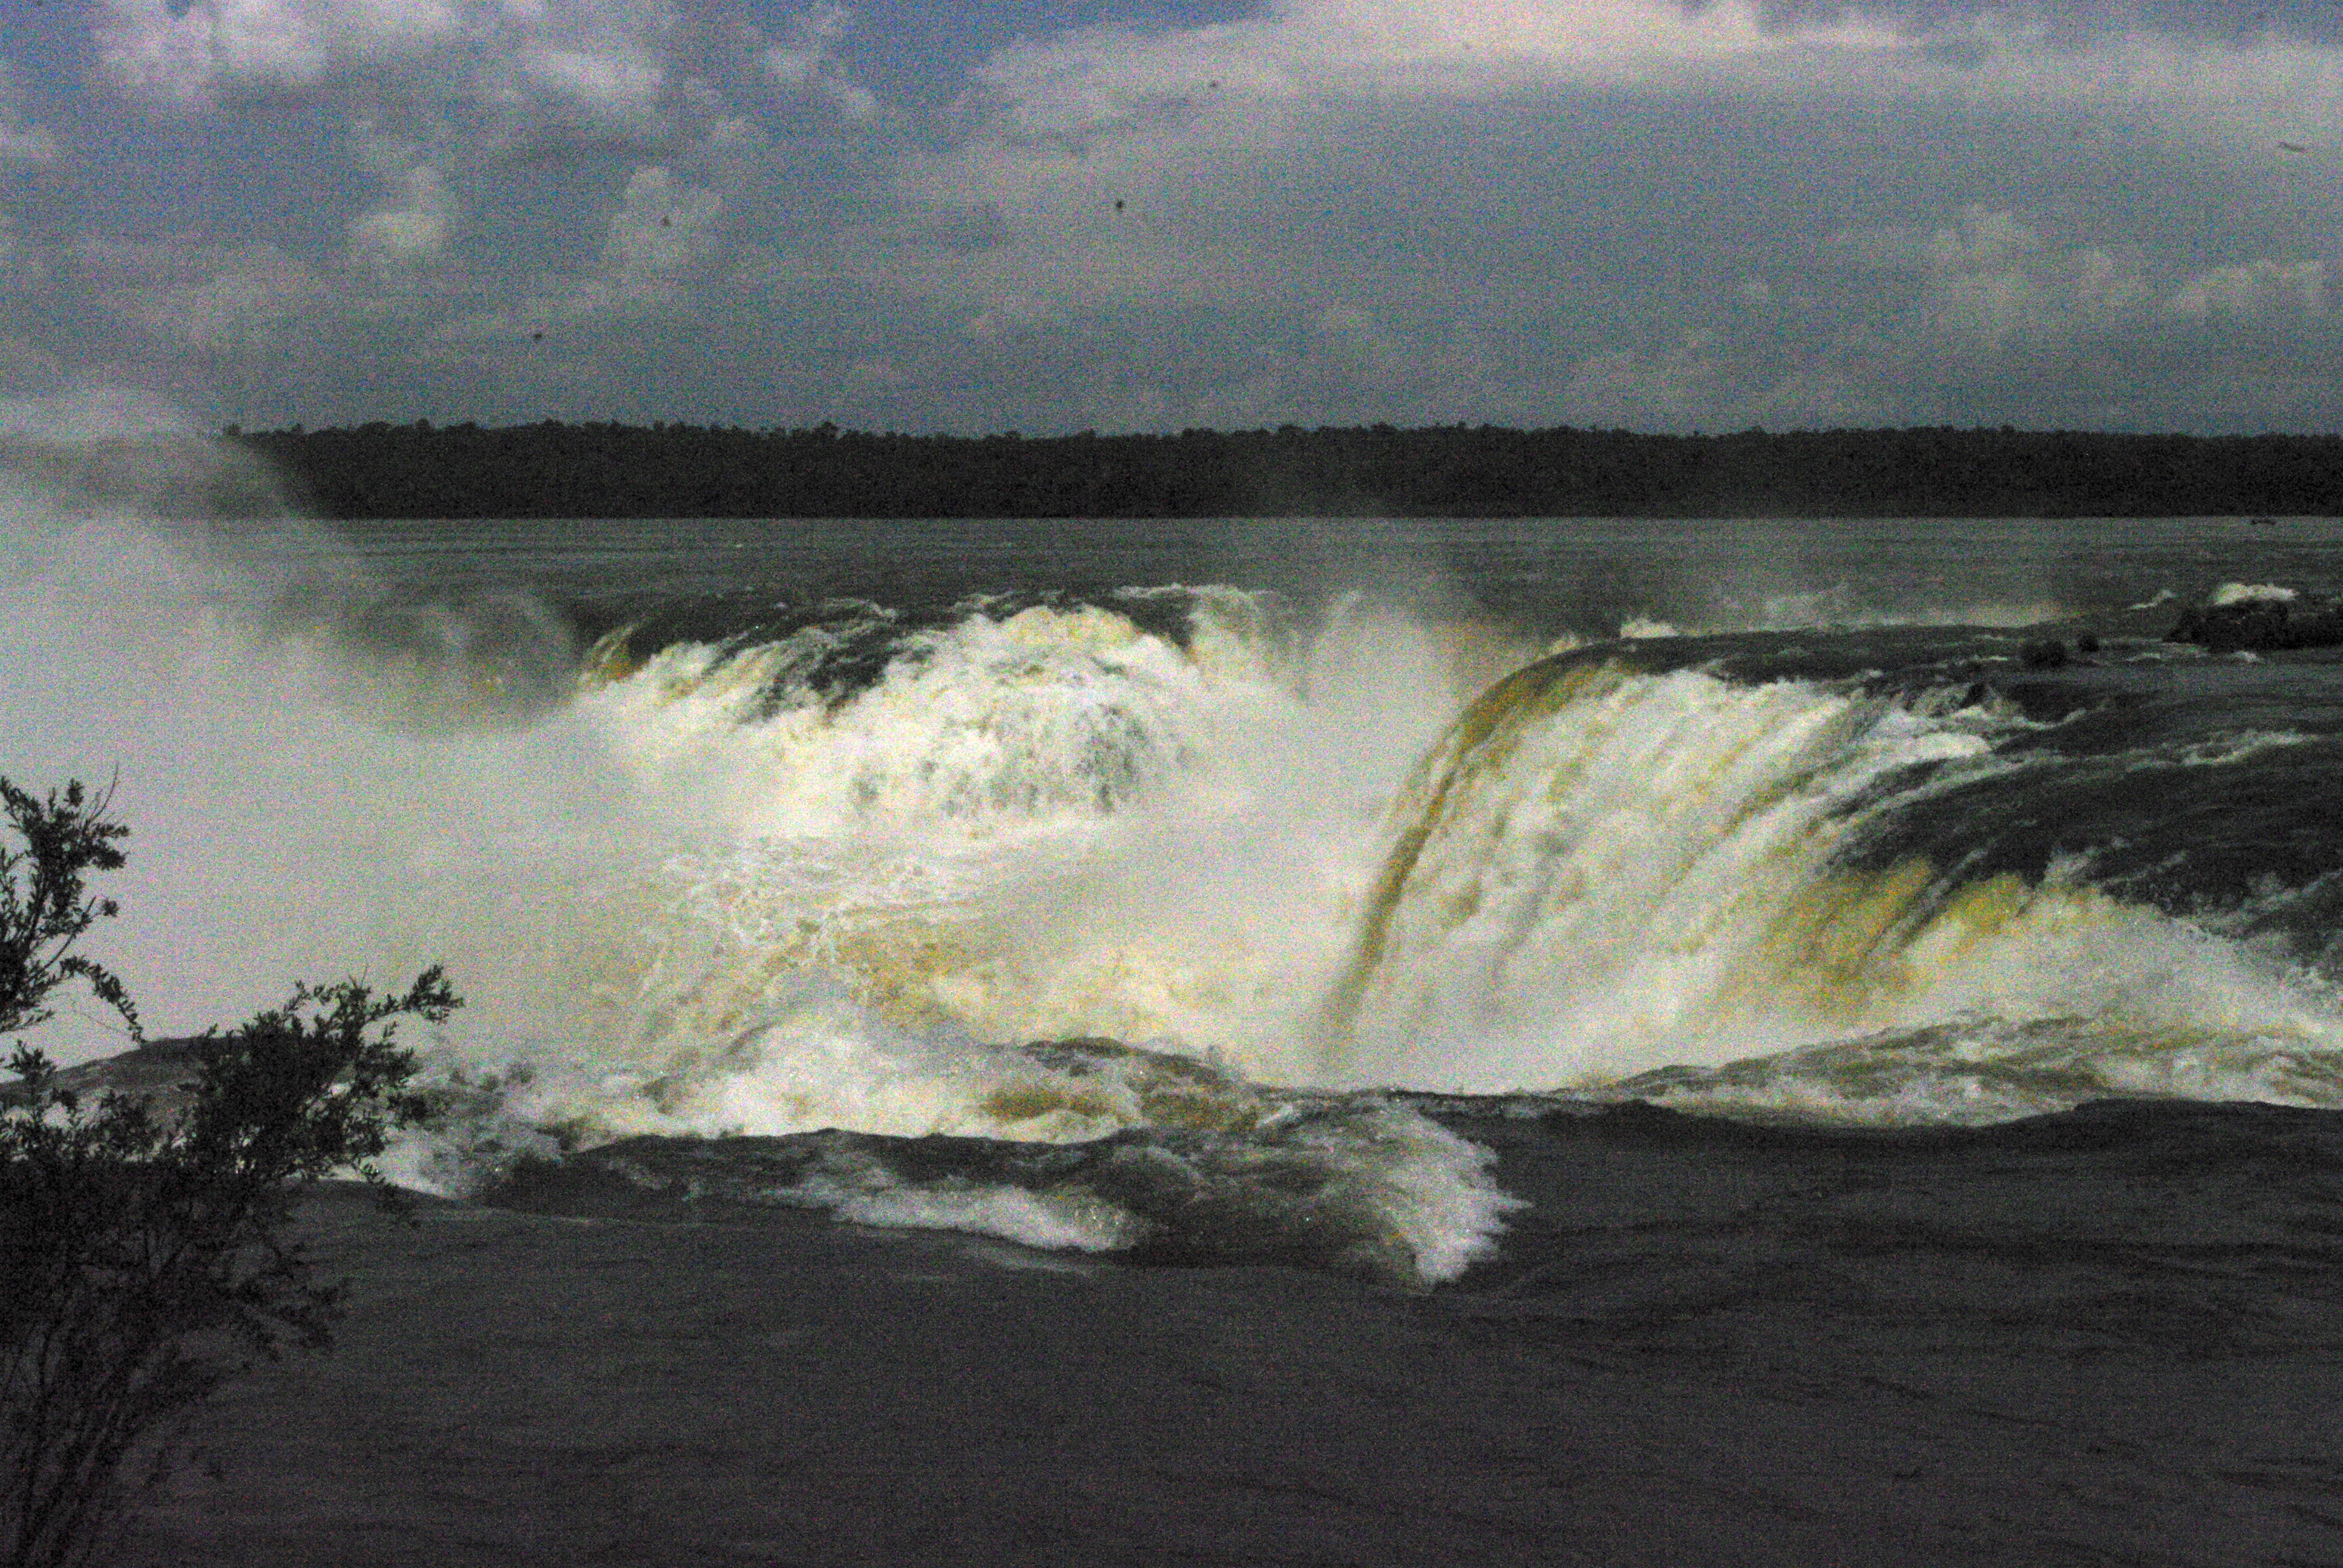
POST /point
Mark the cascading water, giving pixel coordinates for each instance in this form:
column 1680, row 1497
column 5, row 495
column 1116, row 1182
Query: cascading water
column 1094, row 871
column 1598, row 873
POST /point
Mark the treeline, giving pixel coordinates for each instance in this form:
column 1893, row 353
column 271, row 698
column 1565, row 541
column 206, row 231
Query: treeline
column 551, row 470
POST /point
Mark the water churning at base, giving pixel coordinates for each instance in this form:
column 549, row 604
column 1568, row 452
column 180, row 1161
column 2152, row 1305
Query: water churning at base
column 1187, row 876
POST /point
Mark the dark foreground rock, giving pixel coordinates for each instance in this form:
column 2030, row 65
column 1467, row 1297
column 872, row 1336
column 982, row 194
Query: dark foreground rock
column 2262, row 625
column 2111, row 1337
column 162, row 1072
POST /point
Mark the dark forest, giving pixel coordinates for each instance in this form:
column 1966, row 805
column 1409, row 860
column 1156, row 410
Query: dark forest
column 551, row 470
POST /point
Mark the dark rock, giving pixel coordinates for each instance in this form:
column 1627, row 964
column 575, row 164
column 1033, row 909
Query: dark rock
column 162, row 1072
column 2048, row 653
column 2086, row 643
column 2262, row 624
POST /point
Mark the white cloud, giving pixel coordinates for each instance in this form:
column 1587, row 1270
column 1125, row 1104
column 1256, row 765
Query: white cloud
column 807, row 62
column 608, row 61
column 244, row 305
column 1810, row 398
column 1674, row 386
column 21, row 141
column 879, row 376
column 1989, row 279
column 1981, row 283
column 22, row 144
column 1580, row 36
column 91, row 414
column 188, row 55
column 659, row 244
column 26, row 370
column 2258, row 289
column 1257, row 72
column 662, row 229
column 1204, row 132
column 413, row 230
column 1601, row 211
column 619, row 79
column 1318, row 49
column 638, row 72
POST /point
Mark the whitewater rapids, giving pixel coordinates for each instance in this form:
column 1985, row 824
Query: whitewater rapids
column 1198, row 879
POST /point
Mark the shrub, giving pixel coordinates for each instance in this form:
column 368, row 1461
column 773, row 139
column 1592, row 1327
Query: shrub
column 44, row 907
column 144, row 1258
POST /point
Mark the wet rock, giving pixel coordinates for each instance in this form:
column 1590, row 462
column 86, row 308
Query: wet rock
column 2261, row 623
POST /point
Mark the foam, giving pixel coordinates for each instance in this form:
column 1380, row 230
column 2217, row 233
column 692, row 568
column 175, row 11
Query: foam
column 2253, row 593
column 2219, row 751
column 1835, row 609
column 833, row 1108
column 1980, row 1070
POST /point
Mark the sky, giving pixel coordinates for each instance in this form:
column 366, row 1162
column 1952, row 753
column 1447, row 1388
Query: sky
column 1148, row 214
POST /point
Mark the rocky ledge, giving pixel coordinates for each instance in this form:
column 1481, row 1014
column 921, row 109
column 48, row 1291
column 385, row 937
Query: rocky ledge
column 2261, row 619
column 163, row 1072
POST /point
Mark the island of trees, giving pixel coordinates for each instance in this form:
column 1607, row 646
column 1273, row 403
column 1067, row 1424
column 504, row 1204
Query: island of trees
column 552, row 470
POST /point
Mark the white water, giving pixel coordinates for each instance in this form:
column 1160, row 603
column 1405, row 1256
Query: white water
column 1839, row 609
column 690, row 908
column 682, row 917
column 1643, row 876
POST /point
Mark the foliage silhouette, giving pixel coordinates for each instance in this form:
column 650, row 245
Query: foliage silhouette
column 671, row 470
column 144, row 1256
column 44, row 905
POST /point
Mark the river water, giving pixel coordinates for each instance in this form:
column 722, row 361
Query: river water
column 1112, row 885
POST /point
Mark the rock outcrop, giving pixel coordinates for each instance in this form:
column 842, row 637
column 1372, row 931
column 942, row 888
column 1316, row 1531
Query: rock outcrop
column 2261, row 619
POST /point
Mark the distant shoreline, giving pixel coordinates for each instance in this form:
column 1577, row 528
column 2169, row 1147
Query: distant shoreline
column 608, row 470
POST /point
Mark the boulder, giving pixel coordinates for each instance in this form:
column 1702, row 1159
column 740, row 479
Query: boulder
column 2261, row 620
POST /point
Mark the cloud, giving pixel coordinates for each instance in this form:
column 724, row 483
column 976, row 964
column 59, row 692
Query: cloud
column 662, row 230
column 540, row 70
column 1990, row 279
column 1676, row 386
column 1992, row 288
column 1310, row 49
column 2258, row 289
column 412, row 231
column 91, row 414
column 26, row 370
column 245, row 301
column 1558, row 173
column 807, row 62
column 1581, row 38
column 2073, row 21
column 664, row 242
column 188, row 55
column 536, row 75
column 619, row 81
column 1641, row 212
column 1073, row 88
column 22, row 144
